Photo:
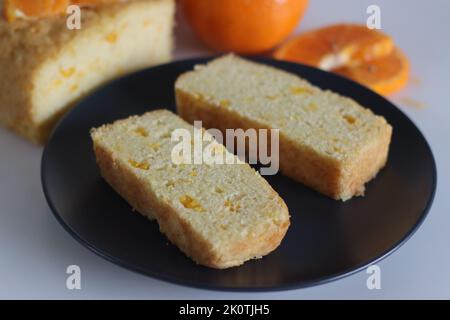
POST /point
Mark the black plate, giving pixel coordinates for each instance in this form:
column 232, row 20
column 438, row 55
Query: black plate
column 327, row 239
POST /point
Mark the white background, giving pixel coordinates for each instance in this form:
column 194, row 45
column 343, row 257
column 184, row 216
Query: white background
column 35, row 250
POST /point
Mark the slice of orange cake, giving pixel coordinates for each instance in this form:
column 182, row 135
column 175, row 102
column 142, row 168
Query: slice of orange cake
column 45, row 67
column 327, row 141
column 220, row 215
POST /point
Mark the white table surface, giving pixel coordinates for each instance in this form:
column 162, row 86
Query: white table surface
column 35, row 250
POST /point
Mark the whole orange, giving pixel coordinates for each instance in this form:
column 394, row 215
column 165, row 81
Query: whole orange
column 243, row 26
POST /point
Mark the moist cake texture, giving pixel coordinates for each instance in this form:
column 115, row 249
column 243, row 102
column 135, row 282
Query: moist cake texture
column 327, row 142
column 220, row 215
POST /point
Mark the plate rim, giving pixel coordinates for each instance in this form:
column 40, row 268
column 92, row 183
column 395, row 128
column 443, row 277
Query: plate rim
column 195, row 284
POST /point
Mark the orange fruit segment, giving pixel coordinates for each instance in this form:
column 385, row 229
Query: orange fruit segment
column 354, row 51
column 243, row 26
column 14, row 9
column 384, row 75
column 336, row 46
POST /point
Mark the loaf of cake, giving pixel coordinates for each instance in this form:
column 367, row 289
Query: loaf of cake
column 327, row 142
column 220, row 215
column 45, row 67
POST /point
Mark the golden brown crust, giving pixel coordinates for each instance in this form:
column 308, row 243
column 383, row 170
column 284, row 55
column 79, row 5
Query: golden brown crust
column 365, row 166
